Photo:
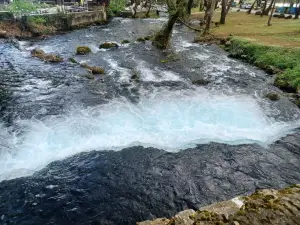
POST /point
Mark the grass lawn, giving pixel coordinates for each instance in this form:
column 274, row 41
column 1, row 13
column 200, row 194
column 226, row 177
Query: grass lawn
column 283, row 32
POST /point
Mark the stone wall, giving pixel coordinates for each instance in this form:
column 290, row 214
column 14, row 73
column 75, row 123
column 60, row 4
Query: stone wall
column 86, row 18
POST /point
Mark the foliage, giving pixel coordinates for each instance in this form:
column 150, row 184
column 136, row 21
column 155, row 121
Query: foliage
column 284, row 61
column 37, row 19
column 117, row 5
column 22, row 7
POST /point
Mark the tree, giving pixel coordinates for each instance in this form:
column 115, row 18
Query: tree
column 149, row 8
column 210, row 8
column 252, row 6
column 271, row 15
column 189, row 6
column 267, row 11
column 176, row 8
column 298, row 10
column 223, row 12
column 201, row 5
column 22, row 7
column 264, row 9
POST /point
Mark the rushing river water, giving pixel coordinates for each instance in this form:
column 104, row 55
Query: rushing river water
column 52, row 111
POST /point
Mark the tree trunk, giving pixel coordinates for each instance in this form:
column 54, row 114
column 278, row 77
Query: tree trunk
column 271, row 15
column 297, row 12
column 267, row 11
column 206, row 5
column 201, row 5
column 210, row 12
column 161, row 39
column 264, row 9
column 148, row 11
column 216, row 4
column 252, row 6
column 189, row 6
column 223, row 12
column 229, row 6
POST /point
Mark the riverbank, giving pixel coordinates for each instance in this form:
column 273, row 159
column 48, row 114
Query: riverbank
column 283, row 32
column 49, row 24
column 271, row 48
column 267, row 206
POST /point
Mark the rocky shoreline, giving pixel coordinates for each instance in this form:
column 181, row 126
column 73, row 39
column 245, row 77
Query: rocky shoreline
column 266, row 206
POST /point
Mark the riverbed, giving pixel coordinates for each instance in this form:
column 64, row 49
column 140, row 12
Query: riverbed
column 175, row 145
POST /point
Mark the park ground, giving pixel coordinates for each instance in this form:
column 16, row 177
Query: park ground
column 283, row 32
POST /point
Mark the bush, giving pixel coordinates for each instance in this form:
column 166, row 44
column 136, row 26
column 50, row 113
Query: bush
column 282, row 61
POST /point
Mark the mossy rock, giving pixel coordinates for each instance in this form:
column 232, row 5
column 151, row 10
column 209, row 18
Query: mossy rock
column 148, row 38
column 93, row 69
column 272, row 96
column 125, row 42
column 83, row 50
column 201, row 82
column 72, row 60
column 141, row 39
column 39, row 53
column 107, row 45
column 135, row 75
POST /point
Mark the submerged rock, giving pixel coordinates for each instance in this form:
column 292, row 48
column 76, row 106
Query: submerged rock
column 201, row 82
column 272, row 96
column 93, row 69
column 125, row 42
column 107, row 45
column 83, row 50
column 39, row 53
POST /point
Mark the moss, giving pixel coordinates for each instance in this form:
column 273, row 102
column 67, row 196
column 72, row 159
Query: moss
column 72, row 60
column 107, row 45
column 272, row 96
column 83, row 50
column 125, row 42
column 282, row 61
column 140, row 39
column 39, row 53
column 93, row 69
column 148, row 38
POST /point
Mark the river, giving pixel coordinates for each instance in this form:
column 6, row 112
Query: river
column 53, row 111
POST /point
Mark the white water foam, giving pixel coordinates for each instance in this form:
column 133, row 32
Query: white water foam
column 168, row 120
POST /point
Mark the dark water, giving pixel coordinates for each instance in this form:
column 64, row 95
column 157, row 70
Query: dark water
column 53, row 111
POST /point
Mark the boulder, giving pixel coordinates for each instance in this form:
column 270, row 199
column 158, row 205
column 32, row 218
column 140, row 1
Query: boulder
column 39, row 53
column 201, row 82
column 93, row 69
column 125, row 42
column 3, row 34
column 272, row 96
column 108, row 45
column 83, row 50
column 141, row 39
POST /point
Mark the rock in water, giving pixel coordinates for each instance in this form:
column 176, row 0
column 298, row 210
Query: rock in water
column 107, row 45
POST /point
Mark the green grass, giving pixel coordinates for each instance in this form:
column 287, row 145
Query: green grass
column 283, row 61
